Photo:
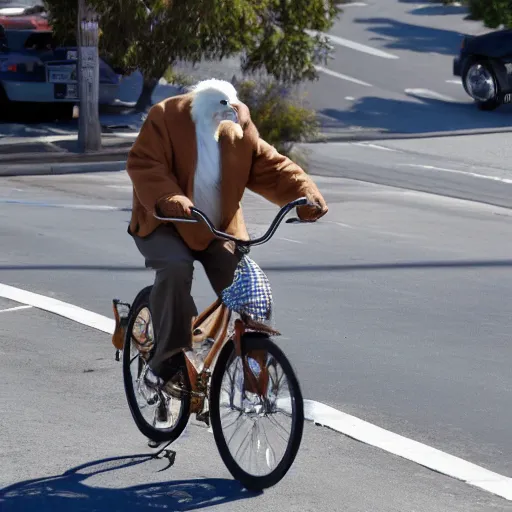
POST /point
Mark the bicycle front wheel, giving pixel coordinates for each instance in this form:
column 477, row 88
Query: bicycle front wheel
column 256, row 411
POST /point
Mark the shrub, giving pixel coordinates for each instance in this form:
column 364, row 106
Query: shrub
column 280, row 115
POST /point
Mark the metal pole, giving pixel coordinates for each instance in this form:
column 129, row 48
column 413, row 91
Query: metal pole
column 89, row 129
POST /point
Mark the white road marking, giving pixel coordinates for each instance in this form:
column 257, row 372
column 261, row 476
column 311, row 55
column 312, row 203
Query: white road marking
column 458, row 82
column 427, row 93
column 17, row 308
column 355, row 4
column 408, row 449
column 82, row 316
column 375, row 146
column 353, row 45
column 342, row 77
column 93, row 207
column 473, row 174
column 289, row 240
column 349, row 98
column 316, row 412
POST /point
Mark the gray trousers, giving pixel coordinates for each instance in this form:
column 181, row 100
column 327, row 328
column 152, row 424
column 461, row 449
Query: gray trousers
column 171, row 302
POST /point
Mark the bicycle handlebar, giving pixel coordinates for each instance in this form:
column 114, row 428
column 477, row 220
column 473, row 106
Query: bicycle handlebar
column 200, row 216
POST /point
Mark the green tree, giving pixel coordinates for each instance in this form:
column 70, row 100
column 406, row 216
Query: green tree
column 494, row 13
column 151, row 35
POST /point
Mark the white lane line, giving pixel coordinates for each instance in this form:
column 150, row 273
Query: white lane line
column 316, row 412
column 353, row 45
column 408, row 449
column 342, row 77
column 17, row 308
column 355, row 4
column 427, row 93
column 458, row 82
column 473, row 174
column 290, row 240
column 92, row 207
column 82, row 316
column 374, row 146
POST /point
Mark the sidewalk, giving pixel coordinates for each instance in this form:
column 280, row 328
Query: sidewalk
column 59, row 154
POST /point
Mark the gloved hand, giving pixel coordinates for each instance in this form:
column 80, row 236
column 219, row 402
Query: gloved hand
column 175, row 206
column 313, row 213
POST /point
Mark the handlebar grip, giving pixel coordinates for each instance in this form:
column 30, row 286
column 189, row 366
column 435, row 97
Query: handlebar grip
column 296, row 220
column 177, row 219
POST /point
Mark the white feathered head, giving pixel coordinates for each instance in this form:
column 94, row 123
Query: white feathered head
column 212, row 103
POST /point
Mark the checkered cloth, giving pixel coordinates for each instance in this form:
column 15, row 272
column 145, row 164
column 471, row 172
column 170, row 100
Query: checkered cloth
column 250, row 292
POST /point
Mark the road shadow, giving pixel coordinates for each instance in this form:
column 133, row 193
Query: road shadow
column 69, row 492
column 399, row 265
column 415, row 38
column 440, row 10
column 411, row 117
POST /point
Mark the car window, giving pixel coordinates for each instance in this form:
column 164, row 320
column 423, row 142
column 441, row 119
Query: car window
column 39, row 41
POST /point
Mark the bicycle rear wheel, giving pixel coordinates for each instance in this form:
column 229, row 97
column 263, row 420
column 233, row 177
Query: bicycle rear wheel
column 161, row 417
column 245, row 413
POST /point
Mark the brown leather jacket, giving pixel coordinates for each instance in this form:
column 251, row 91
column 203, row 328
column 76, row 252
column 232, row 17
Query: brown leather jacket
column 162, row 161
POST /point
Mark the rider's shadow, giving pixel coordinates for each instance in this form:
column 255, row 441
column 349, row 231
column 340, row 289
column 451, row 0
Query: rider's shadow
column 68, row 492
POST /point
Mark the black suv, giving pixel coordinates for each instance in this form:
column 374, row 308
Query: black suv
column 485, row 66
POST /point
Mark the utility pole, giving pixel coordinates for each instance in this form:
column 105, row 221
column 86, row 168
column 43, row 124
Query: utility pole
column 89, row 129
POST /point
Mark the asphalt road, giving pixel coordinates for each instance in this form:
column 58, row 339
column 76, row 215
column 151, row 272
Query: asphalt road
column 394, row 309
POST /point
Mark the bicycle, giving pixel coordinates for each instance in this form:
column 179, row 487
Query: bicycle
column 243, row 363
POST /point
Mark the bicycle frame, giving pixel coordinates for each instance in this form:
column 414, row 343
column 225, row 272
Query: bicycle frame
column 220, row 316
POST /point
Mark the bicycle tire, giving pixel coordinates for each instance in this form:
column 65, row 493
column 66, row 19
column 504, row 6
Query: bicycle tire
column 154, row 434
column 256, row 341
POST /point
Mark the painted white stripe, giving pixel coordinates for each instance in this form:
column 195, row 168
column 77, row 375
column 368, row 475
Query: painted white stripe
column 82, row 316
column 427, row 93
column 92, row 207
column 473, row 174
column 342, row 77
column 290, row 240
column 411, row 450
column 375, row 146
column 17, row 308
column 316, row 412
column 353, row 45
column 355, row 4
column 458, row 82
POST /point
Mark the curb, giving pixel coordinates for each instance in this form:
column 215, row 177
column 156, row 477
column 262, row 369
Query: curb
column 112, row 160
column 54, row 168
column 377, row 135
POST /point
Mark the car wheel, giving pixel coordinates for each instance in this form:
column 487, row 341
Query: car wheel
column 481, row 84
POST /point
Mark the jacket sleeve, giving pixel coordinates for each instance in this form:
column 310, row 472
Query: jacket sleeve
column 277, row 178
column 149, row 163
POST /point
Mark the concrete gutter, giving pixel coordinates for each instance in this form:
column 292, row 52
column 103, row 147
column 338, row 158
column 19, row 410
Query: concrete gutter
column 32, row 158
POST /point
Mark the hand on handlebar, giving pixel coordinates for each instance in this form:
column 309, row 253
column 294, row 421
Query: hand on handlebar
column 316, row 208
column 175, row 206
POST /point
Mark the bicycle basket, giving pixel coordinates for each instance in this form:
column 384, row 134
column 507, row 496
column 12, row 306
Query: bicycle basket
column 250, row 292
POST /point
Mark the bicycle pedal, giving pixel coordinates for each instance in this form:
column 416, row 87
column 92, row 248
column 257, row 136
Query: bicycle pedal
column 204, row 417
